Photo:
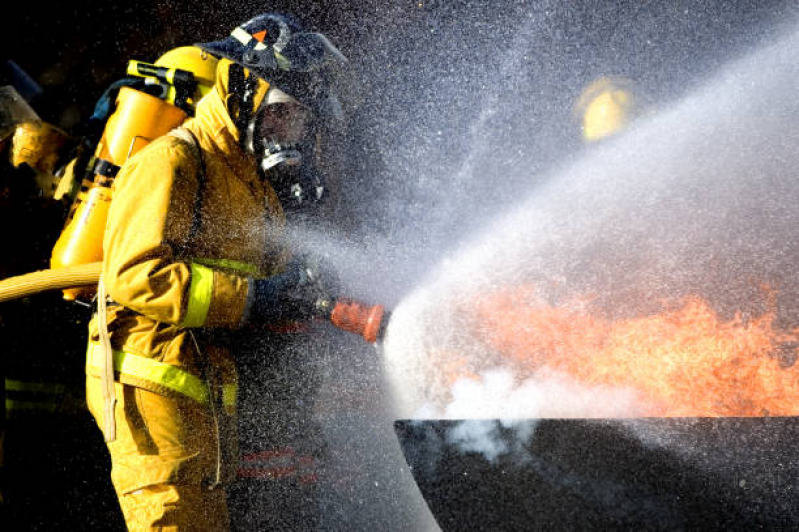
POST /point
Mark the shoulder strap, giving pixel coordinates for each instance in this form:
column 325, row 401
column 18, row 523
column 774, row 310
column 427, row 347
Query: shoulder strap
column 186, row 136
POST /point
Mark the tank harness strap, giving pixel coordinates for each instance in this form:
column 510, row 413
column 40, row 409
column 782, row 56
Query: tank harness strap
column 157, row 373
column 105, row 168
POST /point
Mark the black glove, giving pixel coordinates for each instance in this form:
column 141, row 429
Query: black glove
column 305, row 290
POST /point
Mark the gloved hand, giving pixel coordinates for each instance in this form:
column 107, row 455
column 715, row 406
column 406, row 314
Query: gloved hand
column 305, row 290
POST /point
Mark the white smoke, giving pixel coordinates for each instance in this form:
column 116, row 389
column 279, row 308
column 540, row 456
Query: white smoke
column 474, row 436
column 517, row 406
column 497, row 395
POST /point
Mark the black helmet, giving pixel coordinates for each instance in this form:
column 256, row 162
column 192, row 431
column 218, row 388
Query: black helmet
column 276, row 48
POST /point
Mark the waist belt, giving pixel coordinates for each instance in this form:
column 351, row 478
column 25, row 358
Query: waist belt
column 158, row 373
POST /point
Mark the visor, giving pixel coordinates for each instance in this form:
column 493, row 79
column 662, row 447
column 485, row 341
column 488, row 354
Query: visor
column 14, row 110
column 282, row 123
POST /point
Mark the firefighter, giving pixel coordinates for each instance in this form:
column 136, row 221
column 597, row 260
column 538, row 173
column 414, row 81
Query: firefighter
column 194, row 253
column 605, row 107
column 48, row 429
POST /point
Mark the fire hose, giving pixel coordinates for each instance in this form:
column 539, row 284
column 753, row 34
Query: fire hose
column 47, row 280
column 350, row 315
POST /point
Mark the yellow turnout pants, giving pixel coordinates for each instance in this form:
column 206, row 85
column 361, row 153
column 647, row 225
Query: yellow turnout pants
column 163, row 458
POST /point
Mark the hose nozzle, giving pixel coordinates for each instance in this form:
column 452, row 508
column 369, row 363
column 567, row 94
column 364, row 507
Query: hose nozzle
column 360, row 318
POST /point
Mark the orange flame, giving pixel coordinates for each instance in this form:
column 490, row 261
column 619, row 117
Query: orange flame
column 685, row 361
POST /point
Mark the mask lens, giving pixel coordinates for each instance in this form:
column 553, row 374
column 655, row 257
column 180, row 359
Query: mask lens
column 283, row 123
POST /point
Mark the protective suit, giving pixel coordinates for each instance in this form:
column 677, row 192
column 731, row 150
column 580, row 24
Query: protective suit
column 187, row 232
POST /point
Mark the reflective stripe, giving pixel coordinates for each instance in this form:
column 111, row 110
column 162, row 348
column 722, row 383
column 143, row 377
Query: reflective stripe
column 229, row 392
column 24, row 398
column 236, row 266
column 241, row 35
column 244, row 38
column 35, row 387
column 159, row 373
column 200, row 291
column 152, row 371
column 13, row 405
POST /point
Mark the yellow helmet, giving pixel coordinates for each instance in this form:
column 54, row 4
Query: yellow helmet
column 198, row 62
column 38, row 145
column 606, row 107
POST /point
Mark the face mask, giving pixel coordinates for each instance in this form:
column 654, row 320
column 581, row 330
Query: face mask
column 276, row 133
column 279, row 136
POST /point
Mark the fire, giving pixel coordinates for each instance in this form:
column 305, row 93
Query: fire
column 685, row 360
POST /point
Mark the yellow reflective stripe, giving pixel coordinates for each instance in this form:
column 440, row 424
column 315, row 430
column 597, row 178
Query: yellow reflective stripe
column 152, row 371
column 42, row 406
column 200, row 292
column 36, row 387
column 229, row 392
column 236, row 266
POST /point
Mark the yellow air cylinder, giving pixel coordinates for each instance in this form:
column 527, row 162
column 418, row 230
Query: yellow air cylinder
column 138, row 120
column 81, row 242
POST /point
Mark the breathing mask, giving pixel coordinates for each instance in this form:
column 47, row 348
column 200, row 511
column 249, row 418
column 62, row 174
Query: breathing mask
column 281, row 138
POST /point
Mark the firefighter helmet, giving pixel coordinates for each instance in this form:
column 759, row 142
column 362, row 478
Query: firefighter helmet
column 277, row 49
column 606, row 107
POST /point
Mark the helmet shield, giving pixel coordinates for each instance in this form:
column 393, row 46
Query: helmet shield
column 14, row 110
column 306, row 52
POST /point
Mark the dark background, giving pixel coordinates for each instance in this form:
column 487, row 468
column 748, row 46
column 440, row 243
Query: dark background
column 400, row 50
